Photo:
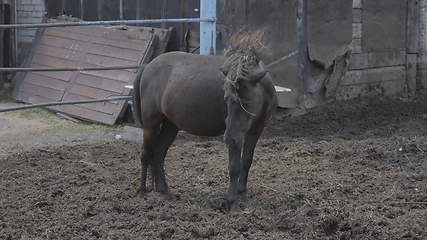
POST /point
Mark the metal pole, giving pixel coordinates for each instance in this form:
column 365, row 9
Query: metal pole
column 208, row 28
column 121, row 9
column 59, row 69
column 307, row 83
column 115, row 22
column 124, row 98
column 15, row 32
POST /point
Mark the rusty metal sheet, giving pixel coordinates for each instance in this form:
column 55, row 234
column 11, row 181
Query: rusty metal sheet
column 89, row 46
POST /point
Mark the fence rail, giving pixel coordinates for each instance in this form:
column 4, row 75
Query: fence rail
column 112, row 99
column 114, row 22
column 207, row 22
column 63, row 69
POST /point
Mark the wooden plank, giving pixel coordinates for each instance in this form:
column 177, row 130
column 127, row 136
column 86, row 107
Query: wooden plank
column 36, row 90
column 55, row 52
column 30, row 97
column 87, row 114
column 377, row 59
column 88, row 46
column 134, row 44
column 53, row 61
column 43, row 81
column 411, row 73
column 111, row 32
column 106, row 108
column 104, row 61
column 118, row 75
column 114, row 52
column 102, row 83
column 62, row 43
column 366, row 76
column 90, row 92
column 412, row 26
column 62, row 76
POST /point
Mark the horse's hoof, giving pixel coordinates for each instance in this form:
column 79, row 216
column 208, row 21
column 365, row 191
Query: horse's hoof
column 167, row 196
column 233, row 207
column 141, row 193
column 243, row 196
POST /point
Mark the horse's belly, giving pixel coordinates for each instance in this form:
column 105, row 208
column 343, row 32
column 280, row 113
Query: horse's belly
column 198, row 116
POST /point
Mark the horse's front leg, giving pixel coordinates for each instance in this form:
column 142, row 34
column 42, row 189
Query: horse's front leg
column 234, row 167
column 250, row 142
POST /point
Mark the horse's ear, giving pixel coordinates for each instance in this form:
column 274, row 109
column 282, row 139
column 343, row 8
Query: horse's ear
column 223, row 71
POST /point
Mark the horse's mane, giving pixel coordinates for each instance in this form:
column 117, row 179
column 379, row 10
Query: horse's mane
column 241, row 55
column 245, row 43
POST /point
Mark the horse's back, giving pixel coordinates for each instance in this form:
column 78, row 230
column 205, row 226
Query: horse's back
column 187, row 89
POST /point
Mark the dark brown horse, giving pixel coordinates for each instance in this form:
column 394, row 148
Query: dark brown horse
column 206, row 96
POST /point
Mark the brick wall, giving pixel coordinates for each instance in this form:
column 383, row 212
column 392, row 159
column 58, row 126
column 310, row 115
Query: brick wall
column 29, row 11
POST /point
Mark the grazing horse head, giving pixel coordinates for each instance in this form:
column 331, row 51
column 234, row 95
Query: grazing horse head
column 182, row 91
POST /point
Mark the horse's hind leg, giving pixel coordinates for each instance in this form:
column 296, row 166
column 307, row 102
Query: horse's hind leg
column 147, row 155
column 166, row 137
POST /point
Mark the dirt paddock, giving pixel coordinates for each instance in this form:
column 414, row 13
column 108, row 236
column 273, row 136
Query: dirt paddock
column 350, row 170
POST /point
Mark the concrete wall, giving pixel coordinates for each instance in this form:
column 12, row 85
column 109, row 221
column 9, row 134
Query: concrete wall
column 382, row 60
column 29, row 11
column 422, row 57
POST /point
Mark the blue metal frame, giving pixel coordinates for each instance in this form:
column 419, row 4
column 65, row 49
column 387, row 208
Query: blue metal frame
column 208, row 29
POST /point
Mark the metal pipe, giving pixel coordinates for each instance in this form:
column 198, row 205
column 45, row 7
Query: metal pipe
column 115, row 22
column 208, row 29
column 112, row 99
column 15, row 31
column 59, row 69
column 282, row 59
column 121, row 9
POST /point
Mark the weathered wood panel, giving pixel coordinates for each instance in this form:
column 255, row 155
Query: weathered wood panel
column 87, row 46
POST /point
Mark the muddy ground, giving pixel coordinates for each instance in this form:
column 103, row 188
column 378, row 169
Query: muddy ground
column 349, row 170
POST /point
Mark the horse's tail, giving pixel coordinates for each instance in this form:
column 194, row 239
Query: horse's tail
column 136, row 100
